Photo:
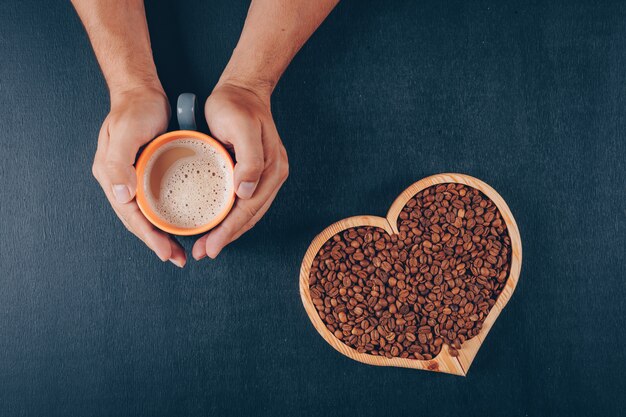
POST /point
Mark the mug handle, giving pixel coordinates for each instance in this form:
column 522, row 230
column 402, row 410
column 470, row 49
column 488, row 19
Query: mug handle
column 186, row 111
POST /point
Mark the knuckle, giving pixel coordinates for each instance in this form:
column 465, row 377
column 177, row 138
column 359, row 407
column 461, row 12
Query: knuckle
column 127, row 226
column 228, row 229
column 284, row 171
column 252, row 167
column 256, row 165
column 95, row 171
column 135, row 218
column 251, row 211
column 283, row 153
column 133, row 224
column 113, row 166
column 281, row 170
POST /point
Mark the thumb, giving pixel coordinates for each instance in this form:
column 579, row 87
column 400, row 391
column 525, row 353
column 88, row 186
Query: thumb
column 248, row 146
column 123, row 181
column 249, row 167
column 119, row 169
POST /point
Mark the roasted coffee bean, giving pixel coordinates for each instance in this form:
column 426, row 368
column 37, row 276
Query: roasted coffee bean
column 431, row 285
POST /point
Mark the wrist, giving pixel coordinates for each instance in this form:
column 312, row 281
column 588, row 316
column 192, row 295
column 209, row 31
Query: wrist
column 122, row 94
column 236, row 76
column 261, row 91
column 135, row 84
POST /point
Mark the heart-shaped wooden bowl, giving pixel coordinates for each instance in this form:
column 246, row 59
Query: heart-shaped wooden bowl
column 443, row 362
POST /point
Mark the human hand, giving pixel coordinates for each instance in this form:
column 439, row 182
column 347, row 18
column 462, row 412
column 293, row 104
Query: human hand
column 241, row 119
column 137, row 116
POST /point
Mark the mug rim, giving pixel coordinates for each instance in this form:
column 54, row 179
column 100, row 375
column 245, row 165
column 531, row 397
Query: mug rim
column 142, row 200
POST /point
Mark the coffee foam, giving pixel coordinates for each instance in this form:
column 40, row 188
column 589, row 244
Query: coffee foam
column 195, row 183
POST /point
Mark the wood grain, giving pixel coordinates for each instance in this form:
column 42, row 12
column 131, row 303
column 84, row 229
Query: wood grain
column 443, row 362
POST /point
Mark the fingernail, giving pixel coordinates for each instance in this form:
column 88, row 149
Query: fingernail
column 213, row 253
column 177, row 263
column 121, row 193
column 152, row 244
column 246, row 189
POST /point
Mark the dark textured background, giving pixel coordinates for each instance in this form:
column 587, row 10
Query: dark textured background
column 530, row 98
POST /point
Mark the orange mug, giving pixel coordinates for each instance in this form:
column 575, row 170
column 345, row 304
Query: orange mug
column 185, row 112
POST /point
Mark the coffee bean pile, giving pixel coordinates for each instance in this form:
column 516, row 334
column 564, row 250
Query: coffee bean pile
column 406, row 295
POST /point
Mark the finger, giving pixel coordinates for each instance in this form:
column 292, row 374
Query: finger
column 284, row 165
column 137, row 224
column 132, row 218
column 160, row 243
column 199, row 248
column 113, row 176
column 245, row 135
column 283, row 168
column 244, row 211
column 177, row 256
column 156, row 240
column 119, row 158
column 253, row 221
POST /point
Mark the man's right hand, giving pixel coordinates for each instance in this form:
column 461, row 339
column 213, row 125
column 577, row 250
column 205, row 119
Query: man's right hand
column 137, row 116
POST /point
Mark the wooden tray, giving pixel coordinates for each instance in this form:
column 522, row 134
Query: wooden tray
column 443, row 362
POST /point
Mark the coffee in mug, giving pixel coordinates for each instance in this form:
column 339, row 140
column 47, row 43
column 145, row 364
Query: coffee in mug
column 185, row 178
column 188, row 183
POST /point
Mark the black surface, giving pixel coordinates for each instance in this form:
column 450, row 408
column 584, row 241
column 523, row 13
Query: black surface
column 529, row 98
